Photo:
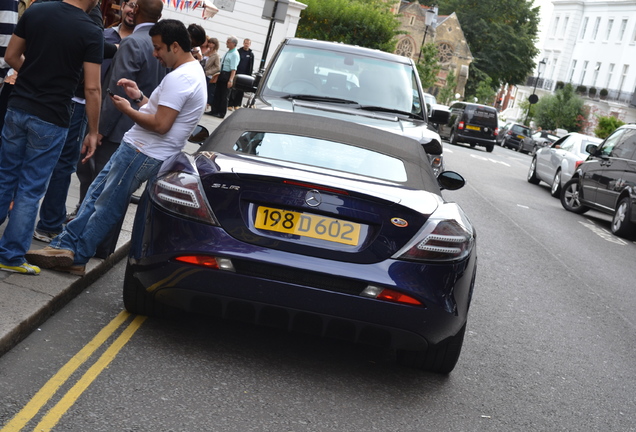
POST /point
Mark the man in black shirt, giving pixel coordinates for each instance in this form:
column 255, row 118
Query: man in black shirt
column 38, row 112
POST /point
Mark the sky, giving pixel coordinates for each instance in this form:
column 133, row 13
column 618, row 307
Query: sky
column 545, row 15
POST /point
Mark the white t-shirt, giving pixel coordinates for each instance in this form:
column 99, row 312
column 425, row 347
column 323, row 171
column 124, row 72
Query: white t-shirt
column 184, row 89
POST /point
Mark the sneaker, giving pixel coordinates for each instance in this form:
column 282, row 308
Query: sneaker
column 70, row 216
column 44, row 236
column 50, row 257
column 24, row 268
column 230, row 108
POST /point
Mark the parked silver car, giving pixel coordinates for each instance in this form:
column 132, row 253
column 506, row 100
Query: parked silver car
column 555, row 164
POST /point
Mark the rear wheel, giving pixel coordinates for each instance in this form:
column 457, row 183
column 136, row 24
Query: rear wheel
column 439, row 358
column 490, row 148
column 555, row 190
column 570, row 199
column 139, row 301
column 621, row 225
column 520, row 148
column 453, row 137
column 532, row 172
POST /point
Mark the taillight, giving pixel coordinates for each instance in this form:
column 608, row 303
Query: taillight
column 181, row 193
column 389, row 295
column 576, row 164
column 496, row 131
column 460, row 125
column 446, row 236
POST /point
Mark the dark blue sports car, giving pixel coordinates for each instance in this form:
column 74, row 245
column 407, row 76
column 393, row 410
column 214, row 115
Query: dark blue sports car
column 310, row 224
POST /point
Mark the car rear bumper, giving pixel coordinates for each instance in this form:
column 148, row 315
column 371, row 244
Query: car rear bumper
column 468, row 139
column 299, row 293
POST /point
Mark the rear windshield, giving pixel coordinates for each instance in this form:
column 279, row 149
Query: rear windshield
column 322, row 153
column 521, row 130
column 482, row 116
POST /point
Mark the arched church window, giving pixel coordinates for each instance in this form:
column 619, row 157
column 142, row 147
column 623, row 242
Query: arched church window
column 405, row 47
column 445, row 52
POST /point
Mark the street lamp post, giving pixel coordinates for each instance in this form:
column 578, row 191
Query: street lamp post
column 428, row 21
column 533, row 98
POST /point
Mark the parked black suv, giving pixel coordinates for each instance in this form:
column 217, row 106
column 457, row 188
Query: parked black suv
column 350, row 83
column 471, row 123
column 606, row 181
column 512, row 136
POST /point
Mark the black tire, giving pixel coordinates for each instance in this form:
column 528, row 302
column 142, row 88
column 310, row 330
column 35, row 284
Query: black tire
column 503, row 142
column 570, row 198
column 534, row 151
column 490, row 148
column 453, row 137
column 555, row 189
column 440, row 358
column 139, row 301
column 532, row 172
column 621, row 225
column 520, row 148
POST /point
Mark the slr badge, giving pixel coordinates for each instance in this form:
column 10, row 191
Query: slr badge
column 399, row 222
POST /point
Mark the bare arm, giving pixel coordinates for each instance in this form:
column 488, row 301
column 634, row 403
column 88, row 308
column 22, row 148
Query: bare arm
column 93, row 95
column 14, row 53
column 159, row 122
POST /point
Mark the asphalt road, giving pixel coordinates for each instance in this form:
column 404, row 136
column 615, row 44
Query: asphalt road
column 550, row 345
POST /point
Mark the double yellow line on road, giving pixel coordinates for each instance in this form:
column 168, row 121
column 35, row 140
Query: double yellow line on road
column 41, row 398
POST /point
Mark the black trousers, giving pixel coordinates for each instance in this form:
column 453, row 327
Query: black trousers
column 219, row 105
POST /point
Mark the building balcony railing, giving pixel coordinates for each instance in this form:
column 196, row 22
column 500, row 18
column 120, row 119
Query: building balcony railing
column 627, row 98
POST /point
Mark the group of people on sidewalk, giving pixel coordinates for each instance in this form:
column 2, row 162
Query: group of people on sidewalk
column 220, row 74
column 144, row 118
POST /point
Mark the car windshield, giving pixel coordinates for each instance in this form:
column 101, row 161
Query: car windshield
column 319, row 73
column 322, row 153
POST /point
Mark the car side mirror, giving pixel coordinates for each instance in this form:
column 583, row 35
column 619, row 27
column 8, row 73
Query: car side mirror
column 199, row 134
column 245, row 83
column 439, row 116
column 450, row 180
column 591, row 149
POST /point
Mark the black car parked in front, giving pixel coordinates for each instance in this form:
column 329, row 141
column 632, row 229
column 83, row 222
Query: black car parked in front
column 606, row 181
column 512, row 136
column 471, row 123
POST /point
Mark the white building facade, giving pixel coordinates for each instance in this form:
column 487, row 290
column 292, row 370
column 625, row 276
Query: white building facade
column 240, row 18
column 592, row 43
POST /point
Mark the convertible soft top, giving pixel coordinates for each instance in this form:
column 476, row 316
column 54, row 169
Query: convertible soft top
column 409, row 151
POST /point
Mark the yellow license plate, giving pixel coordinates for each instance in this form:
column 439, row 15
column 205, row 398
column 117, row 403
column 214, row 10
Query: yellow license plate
column 520, row 137
column 307, row 225
column 471, row 127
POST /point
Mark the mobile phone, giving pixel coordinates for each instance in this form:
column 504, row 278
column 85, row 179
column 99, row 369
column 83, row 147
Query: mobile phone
column 110, row 92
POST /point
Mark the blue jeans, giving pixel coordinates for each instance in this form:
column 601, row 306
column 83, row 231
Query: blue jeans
column 30, row 149
column 106, row 201
column 53, row 206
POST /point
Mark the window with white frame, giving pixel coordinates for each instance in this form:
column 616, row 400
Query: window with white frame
column 621, row 31
column 583, row 72
column 572, row 70
column 565, row 25
column 584, row 28
column 610, row 24
column 597, row 68
column 610, row 72
column 553, row 30
column 597, row 24
column 623, row 77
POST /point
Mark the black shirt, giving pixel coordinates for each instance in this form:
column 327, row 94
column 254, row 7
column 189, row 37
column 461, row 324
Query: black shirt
column 59, row 39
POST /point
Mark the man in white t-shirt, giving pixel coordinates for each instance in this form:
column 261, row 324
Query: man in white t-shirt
column 162, row 125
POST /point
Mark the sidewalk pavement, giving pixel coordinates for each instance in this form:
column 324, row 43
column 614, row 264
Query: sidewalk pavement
column 27, row 301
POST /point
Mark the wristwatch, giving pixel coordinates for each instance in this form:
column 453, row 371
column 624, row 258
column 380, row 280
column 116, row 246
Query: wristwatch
column 141, row 97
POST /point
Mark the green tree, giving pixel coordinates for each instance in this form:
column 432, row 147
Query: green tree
column 367, row 23
column 607, row 125
column 447, row 93
column 428, row 67
column 485, row 93
column 564, row 109
column 501, row 35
